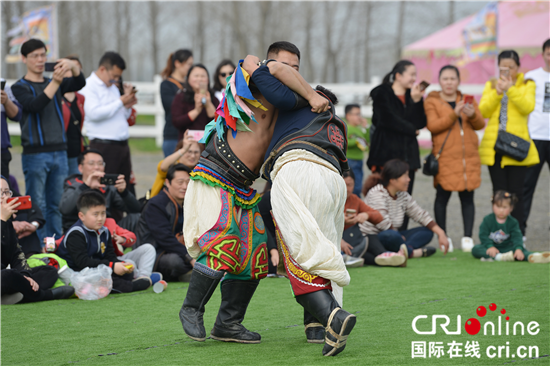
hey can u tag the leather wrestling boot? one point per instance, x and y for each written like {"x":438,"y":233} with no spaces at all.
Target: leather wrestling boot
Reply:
{"x":236,"y":295}
{"x":315,"y":331}
{"x":201,"y":287}
{"x":339,"y":323}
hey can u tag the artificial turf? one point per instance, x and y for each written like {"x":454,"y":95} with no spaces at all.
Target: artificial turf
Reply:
{"x":144,"y":329}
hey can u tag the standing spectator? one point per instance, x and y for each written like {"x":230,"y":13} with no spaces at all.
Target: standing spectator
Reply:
{"x":539,"y":126}
{"x":508,"y":101}
{"x":358,"y":139}
{"x":225,"y":69}
{"x":12,"y":110}
{"x":107,"y":113}
{"x":174,"y":75}
{"x":398,"y":114}
{"x":195,"y":105}
{"x":43,"y":136}
{"x":161,"y":224}
{"x":73,"y":116}
{"x":453,"y":122}
{"x":387,"y":193}
{"x":117,"y":196}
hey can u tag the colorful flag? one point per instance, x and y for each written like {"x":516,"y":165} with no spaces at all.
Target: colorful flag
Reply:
{"x":480,"y":34}
{"x":39,"y":23}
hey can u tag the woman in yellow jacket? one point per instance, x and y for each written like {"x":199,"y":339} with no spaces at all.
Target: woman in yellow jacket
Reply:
{"x":516,"y":97}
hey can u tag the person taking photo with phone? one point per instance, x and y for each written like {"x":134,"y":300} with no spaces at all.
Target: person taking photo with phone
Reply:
{"x":92,"y":168}
{"x":398,"y":115}
{"x":453,"y":119}
{"x":195,"y":105}
{"x":507,"y":102}
{"x":43,"y":137}
{"x":10,"y":109}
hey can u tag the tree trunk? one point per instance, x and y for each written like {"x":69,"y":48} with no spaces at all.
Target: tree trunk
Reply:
{"x":153,"y":17}
{"x":400,"y":27}
{"x":451,"y":12}
{"x":368,"y":19}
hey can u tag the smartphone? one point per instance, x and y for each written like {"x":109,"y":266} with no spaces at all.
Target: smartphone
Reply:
{"x":424,"y":85}
{"x":134,"y":90}
{"x":49,"y":66}
{"x":196,"y":134}
{"x":468,"y":99}
{"x":504,"y":72}
{"x":24,"y":200}
{"x":3,"y":84}
{"x":350,"y":211}
{"x":109,"y":179}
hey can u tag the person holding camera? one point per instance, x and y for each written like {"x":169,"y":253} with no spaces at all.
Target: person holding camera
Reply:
{"x":93,"y":177}
{"x":12,"y":110}
{"x":195,"y":105}
{"x":507,"y":102}
{"x":43,"y":136}
{"x":106,"y":114}
{"x":453,"y":119}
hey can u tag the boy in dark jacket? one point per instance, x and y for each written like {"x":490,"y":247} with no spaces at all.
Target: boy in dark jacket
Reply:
{"x":88,"y":244}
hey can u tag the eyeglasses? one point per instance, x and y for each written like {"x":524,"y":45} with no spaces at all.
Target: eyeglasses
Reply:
{"x":193,"y":152}
{"x":224,"y":74}
{"x":37,"y":55}
{"x":96,"y":163}
{"x":7,"y":192}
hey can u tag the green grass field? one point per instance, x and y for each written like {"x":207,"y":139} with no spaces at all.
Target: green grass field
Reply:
{"x":144,"y":328}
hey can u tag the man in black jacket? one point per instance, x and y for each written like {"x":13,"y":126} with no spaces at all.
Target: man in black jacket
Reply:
{"x":92,"y":167}
{"x":42,"y":129}
{"x":161,"y":224}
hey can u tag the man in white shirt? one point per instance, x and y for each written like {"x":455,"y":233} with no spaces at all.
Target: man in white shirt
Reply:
{"x":107,"y":112}
{"x":539,"y":125}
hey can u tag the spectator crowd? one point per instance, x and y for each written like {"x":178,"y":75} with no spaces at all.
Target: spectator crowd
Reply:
{"x":82,"y":189}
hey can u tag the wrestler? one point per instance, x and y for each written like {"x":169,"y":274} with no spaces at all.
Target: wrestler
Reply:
{"x":223,"y":229}
{"x":304,"y":162}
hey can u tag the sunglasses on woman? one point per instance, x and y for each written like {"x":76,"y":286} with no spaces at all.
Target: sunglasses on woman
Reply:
{"x":223,"y":74}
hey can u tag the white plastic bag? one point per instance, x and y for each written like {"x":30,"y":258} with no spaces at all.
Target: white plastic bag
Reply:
{"x":92,"y":283}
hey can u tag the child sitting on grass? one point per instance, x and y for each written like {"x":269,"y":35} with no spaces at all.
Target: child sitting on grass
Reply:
{"x":88,"y":244}
{"x":500,"y":236}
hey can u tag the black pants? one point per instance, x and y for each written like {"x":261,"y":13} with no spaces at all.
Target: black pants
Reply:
{"x":374,"y":249}
{"x":6,"y":158}
{"x":532,"y":176}
{"x":117,"y":159}
{"x":171,"y":265}
{"x":468,"y":209}
{"x":45,"y":277}
{"x":122,"y":283}
{"x":511,"y":179}
{"x":410,"y":190}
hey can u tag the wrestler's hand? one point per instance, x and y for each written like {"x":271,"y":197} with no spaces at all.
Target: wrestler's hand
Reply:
{"x":250,"y":64}
{"x":274,"y":257}
{"x":318,"y":103}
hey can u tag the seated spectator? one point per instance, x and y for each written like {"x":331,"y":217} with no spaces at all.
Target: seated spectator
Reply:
{"x":161,"y":224}
{"x":195,"y":105}
{"x":366,"y":247}
{"x":501,"y":237}
{"x":187,"y":153}
{"x":92,"y":167}
{"x":387,"y":193}
{"x":21,"y":282}
{"x":88,"y":244}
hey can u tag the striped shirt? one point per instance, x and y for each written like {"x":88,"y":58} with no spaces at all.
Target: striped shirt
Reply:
{"x":393,"y":210}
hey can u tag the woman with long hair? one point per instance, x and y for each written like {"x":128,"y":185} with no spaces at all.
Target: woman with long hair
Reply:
{"x":398,"y":114}
{"x":195,"y":105}
{"x":453,"y":119}
{"x":174,"y":75}
{"x":507,"y":102}
{"x":387,"y":193}
{"x":224,"y":69}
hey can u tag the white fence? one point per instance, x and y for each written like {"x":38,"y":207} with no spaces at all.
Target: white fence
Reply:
{"x":149,"y":103}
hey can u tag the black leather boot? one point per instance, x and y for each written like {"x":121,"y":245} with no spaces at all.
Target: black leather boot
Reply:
{"x":339,"y":323}
{"x":236,"y":295}
{"x":201,"y":287}
{"x":315,"y":331}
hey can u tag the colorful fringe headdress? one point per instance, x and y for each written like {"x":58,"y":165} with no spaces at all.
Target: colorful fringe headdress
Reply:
{"x":232,"y":112}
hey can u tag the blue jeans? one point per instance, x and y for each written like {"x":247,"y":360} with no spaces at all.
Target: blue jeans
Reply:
{"x":44,"y":177}
{"x":414,"y":239}
{"x":168,"y":147}
{"x":357,"y":167}
{"x":73,"y":166}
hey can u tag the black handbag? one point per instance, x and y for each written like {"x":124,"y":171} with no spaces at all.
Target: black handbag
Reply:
{"x":509,"y":144}
{"x":431,"y":164}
